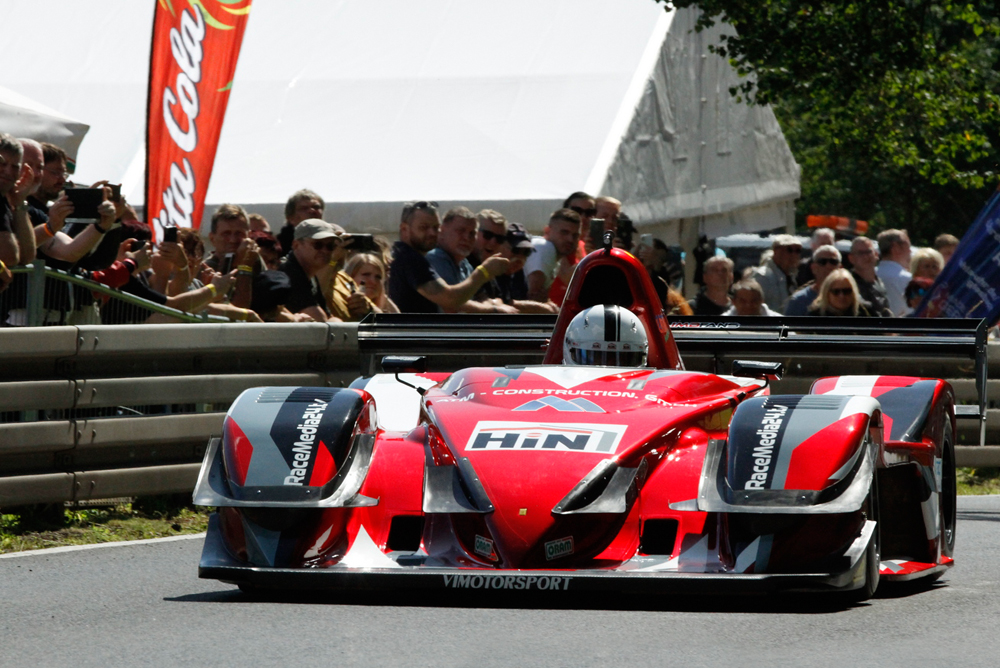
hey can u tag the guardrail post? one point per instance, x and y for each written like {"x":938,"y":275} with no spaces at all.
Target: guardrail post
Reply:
{"x":35,"y":308}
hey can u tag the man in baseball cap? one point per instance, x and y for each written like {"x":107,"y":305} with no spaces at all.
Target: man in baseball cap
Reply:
{"x":313,"y":246}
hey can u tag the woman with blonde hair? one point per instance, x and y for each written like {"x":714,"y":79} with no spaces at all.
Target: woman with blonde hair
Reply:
{"x":368,"y":271}
{"x":839,"y":296}
{"x":926,"y":263}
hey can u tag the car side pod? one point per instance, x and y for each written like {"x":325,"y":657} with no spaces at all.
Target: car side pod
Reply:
{"x":793,"y":455}
{"x":273,"y":433}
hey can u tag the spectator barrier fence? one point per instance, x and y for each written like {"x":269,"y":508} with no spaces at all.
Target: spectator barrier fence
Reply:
{"x":43,"y":296}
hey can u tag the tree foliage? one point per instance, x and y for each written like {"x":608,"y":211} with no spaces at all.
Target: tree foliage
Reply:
{"x":891,"y":107}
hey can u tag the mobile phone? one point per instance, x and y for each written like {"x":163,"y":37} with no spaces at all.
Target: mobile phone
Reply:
{"x":170,"y":234}
{"x":646,"y":240}
{"x":227,"y":263}
{"x":85,"y":202}
{"x":138,"y":244}
{"x":596,"y":231}
{"x":362,"y":243}
{"x":116,"y":192}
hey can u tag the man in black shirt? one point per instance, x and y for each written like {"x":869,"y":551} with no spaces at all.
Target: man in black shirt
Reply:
{"x":414,"y":286}
{"x":718,"y":277}
{"x":864,"y":257}
{"x":312,"y":248}
{"x":302,"y":205}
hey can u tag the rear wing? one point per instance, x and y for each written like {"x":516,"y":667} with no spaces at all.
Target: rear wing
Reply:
{"x":502,"y":339}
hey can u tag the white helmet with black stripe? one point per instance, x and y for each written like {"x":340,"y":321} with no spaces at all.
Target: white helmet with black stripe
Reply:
{"x":605,"y":335}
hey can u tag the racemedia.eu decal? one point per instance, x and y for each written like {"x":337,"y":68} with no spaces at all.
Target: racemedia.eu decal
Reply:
{"x":305,"y":441}
{"x":770,"y":425}
{"x":539,"y":583}
{"x":533,"y":436}
{"x":579,"y":405}
{"x":559,"y":548}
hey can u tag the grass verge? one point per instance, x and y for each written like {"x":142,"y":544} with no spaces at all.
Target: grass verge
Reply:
{"x":54,"y":525}
{"x":978,"y":481}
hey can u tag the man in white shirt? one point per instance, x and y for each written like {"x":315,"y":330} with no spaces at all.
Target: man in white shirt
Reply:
{"x":562,"y":235}
{"x":776,"y":277}
{"x":894,"y":246}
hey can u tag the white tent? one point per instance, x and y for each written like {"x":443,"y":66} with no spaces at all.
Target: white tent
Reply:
{"x":21,"y":116}
{"x":511,"y":105}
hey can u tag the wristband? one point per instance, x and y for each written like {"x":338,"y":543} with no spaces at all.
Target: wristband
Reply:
{"x":244,"y":269}
{"x":47,"y":231}
{"x":484,"y":271}
{"x":214,"y":290}
{"x":3,"y":267}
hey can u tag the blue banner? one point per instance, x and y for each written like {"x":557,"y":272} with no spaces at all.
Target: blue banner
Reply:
{"x":968,"y":286}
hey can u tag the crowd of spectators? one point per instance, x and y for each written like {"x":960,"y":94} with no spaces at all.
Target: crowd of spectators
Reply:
{"x":454,"y":261}
{"x":881,"y":277}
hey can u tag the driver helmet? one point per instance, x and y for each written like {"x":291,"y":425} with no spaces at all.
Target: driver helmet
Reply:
{"x":605,"y":335}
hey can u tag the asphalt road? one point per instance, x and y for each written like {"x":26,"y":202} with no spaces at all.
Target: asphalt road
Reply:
{"x":143,"y":605}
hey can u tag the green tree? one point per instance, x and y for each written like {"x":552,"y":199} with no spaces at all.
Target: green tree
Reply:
{"x":891,"y":107}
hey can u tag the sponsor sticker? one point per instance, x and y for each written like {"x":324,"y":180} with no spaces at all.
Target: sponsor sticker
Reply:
{"x":534,"y":436}
{"x":767,"y":434}
{"x":704,"y":325}
{"x":484,"y":547}
{"x":525,"y":582}
{"x":558,"y":548}
{"x":578,"y":405}
{"x":305,"y":442}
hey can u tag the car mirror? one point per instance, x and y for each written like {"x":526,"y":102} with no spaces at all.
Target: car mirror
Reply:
{"x":760,"y":370}
{"x":404,"y":364}
{"x":397,"y":364}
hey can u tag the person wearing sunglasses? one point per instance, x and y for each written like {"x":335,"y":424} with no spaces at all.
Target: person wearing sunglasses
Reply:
{"x":584,"y":205}
{"x":450,"y":259}
{"x":838,"y":296}
{"x":821,"y":236}
{"x":916,"y":290}
{"x":824,"y":260}
{"x":312,"y":247}
{"x":864,"y":257}
{"x":413,"y":284}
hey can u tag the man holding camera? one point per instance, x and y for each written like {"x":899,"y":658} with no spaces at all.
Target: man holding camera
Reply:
{"x":312,"y":249}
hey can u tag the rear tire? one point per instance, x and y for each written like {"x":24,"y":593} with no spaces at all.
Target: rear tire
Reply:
{"x":873,"y":553}
{"x":948,"y":500}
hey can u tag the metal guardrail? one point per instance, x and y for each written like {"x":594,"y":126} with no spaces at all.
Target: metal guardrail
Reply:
{"x":43,"y":296}
{"x":93,"y":411}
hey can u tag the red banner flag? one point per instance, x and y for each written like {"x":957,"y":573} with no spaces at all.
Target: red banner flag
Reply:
{"x":196,"y":44}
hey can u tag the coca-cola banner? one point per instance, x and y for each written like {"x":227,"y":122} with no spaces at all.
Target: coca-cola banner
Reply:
{"x":195,"y":47}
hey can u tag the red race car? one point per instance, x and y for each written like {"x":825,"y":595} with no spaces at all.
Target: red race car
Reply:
{"x":607,"y":466}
